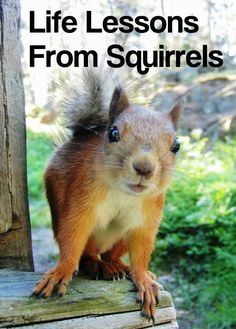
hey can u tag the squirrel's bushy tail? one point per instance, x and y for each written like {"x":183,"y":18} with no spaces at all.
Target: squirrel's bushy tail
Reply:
{"x":82,"y":99}
{"x":86,"y":99}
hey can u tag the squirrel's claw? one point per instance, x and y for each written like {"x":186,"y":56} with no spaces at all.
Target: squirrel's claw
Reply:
{"x":153,"y":320}
{"x":140,"y":301}
{"x":146,"y":315}
{"x":53,"y":281}
{"x":148,"y":291}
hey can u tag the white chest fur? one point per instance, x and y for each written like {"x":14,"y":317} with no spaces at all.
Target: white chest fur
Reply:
{"x":116,"y":215}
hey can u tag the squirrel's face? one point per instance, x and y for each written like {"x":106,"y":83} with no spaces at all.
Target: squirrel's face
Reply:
{"x":140,"y":150}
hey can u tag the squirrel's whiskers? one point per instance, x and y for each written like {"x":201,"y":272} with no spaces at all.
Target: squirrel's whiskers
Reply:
{"x":106,"y":186}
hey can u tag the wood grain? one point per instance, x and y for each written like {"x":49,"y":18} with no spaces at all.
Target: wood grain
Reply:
{"x":87,"y":304}
{"x":130,"y":320}
{"x":15,"y":241}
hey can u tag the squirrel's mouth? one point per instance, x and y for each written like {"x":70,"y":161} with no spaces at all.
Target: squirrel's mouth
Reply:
{"x":138,"y":188}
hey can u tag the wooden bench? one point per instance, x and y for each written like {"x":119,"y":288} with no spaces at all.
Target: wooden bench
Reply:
{"x":88,"y":304}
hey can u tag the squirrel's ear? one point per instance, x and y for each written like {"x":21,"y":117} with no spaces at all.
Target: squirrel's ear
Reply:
{"x":119,"y":102}
{"x":176,"y":112}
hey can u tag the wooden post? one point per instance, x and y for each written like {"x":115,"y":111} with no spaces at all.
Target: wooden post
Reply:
{"x":15,"y":237}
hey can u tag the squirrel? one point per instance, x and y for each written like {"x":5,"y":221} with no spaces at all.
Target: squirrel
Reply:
{"x":106,"y":187}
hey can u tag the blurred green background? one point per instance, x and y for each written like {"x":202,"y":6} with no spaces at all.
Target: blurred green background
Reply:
{"x":195,"y":249}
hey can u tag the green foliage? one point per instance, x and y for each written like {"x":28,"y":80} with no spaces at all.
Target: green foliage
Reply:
{"x":39,"y":149}
{"x":198,"y":235}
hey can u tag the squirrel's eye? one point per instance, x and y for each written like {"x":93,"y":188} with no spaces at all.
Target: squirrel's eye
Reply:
{"x":113,"y":134}
{"x":175,"y":146}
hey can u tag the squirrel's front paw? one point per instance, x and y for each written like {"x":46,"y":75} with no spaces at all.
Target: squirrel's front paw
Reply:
{"x":53,"y":281}
{"x":148,"y":295}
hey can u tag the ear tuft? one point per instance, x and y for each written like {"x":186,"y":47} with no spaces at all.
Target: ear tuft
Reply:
{"x":119,"y":102}
{"x":176,"y":112}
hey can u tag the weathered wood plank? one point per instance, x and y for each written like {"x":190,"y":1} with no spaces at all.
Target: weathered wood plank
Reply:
{"x":130,"y":320}
{"x":15,"y":242}
{"x":72,"y":324}
{"x":85,"y":298}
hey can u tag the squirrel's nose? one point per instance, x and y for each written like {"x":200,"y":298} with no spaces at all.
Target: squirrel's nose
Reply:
{"x":144,"y":168}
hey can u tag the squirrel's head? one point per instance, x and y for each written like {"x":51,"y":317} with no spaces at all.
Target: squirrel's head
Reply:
{"x":140,"y":147}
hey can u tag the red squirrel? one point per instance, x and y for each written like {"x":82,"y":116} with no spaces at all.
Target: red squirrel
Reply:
{"x":106,"y":187}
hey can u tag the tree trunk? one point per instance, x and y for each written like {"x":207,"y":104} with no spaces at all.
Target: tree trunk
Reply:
{"x":15,"y":238}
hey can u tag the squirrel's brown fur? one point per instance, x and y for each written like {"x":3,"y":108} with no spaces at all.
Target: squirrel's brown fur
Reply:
{"x":107,"y":196}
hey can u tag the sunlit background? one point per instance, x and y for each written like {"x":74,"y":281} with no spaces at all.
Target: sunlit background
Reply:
{"x":216,"y":28}
{"x":195,"y":252}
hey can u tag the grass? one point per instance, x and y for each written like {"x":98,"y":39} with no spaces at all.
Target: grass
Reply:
{"x":40,"y":147}
{"x":197,"y":239}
